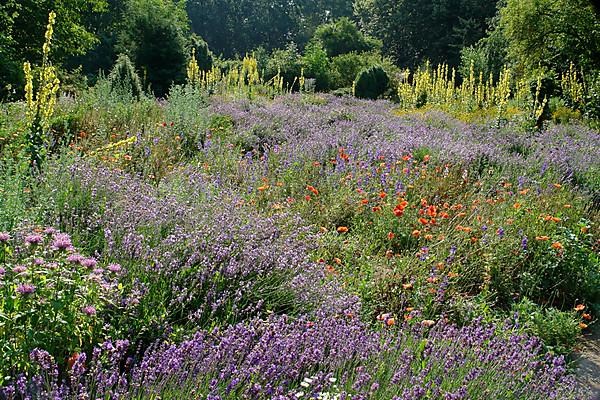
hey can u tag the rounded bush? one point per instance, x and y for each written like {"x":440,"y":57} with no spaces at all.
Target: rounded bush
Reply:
{"x":371,"y":83}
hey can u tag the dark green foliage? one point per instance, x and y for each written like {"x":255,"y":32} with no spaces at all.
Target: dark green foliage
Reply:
{"x":343,"y":36}
{"x":346,"y":67}
{"x":488,"y":55}
{"x":592,"y":96}
{"x":371,"y":83}
{"x":551,"y":34}
{"x":413,"y":31}
{"x":22,"y":27}
{"x":124,"y":79}
{"x":236,"y":27}
{"x":203,"y":55}
{"x":155,"y":37}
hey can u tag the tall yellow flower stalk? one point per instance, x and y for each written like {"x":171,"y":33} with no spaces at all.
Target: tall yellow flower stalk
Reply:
{"x":41,"y":104}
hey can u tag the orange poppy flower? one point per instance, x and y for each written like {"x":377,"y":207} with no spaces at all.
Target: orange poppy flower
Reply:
{"x":312,"y":189}
{"x":557,"y":185}
{"x":579,"y":307}
{"x":71,"y":361}
{"x":409,"y":309}
{"x":583,"y":325}
{"x":432,"y":211}
{"x":542,"y":238}
{"x":423,"y":221}
{"x":428,"y":323}
{"x":427,"y":158}
{"x":382,"y":195}
{"x":587,"y":317}
{"x":391,"y":235}
{"x":342,"y":229}
{"x":364,"y":202}
{"x":390,"y":321}
{"x":263,"y":188}
{"x":557,"y":246}
{"x":416,"y":233}
{"x":407,"y":286}
{"x":428,"y":237}
{"x":524,"y":191}
{"x":307,"y":197}
{"x":376,"y":209}
{"x":516,"y":206}
{"x":337,"y":261}
{"x":567,"y":206}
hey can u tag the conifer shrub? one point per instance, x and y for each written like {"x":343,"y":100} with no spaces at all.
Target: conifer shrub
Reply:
{"x":124,"y":79}
{"x":371,"y":83}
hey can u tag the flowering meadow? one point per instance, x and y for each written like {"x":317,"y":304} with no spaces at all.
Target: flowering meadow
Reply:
{"x":300,"y":247}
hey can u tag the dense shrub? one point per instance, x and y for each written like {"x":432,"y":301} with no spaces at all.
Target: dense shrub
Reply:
{"x":371,"y":83}
{"x":317,"y":66}
{"x":342,"y":36}
{"x":286,"y":63}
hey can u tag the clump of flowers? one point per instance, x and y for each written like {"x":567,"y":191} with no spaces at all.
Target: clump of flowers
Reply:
{"x":50,"y":299}
{"x":322,"y":357}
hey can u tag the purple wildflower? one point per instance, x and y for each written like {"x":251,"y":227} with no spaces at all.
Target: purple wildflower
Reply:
{"x":115,"y":268}
{"x":25,"y":289}
{"x":89,"y":310}
{"x":19,"y":269}
{"x":75,"y":258}
{"x":62,"y":241}
{"x":50,"y":231}
{"x":33,"y":239}
{"x":4,"y":237}
{"x":89,"y":263}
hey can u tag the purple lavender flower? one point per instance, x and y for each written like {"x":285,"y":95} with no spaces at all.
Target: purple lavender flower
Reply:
{"x":4,"y":237}
{"x":524,"y":242}
{"x":500,"y":232}
{"x":42,"y":358}
{"x":2,"y":272}
{"x":25,"y":289}
{"x":38,"y":261}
